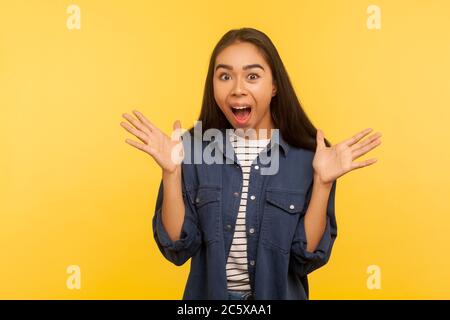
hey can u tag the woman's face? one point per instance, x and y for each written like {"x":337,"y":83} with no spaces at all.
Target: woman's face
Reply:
{"x":243,"y":87}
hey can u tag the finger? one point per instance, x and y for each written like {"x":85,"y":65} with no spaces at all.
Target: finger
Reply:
{"x":139,"y":134}
{"x":139,"y":125}
{"x":135,"y":144}
{"x":361,"y":164}
{"x":320,"y":139}
{"x":361,"y":151}
{"x":367,"y":141}
{"x":144,"y":120}
{"x":357,"y":137}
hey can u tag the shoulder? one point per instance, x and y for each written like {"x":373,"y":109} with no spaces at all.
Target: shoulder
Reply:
{"x":300,"y":155}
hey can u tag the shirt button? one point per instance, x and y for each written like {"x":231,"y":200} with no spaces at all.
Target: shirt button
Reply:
{"x":252,"y":197}
{"x":252,"y":262}
{"x":256,"y":167}
{"x":197,"y":200}
{"x":236,"y":194}
{"x":229,"y":226}
{"x":252,"y":230}
{"x":291,"y":206}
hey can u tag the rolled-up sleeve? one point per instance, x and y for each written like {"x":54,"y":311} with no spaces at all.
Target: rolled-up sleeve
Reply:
{"x":303,"y":261}
{"x":179,"y":251}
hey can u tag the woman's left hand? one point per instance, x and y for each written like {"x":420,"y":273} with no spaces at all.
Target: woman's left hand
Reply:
{"x":330,"y":163}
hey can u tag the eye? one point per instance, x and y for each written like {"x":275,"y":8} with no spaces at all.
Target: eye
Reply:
{"x":253,"y":76}
{"x":221,"y":77}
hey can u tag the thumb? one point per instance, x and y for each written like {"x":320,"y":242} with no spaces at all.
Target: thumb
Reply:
{"x":176,"y":130}
{"x":320,"y":139}
{"x":177,"y":125}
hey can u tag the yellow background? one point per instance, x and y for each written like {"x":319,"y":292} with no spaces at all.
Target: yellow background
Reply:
{"x":72,"y":192}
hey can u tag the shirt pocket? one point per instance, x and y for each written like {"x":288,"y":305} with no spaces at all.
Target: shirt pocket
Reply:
{"x":206,"y":200}
{"x":282,"y":210}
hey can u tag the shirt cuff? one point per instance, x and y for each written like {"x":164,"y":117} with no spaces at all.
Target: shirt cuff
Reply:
{"x":187,"y":229}
{"x":322,"y":250}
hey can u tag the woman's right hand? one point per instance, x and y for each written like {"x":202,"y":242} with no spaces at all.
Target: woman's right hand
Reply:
{"x":167,"y":152}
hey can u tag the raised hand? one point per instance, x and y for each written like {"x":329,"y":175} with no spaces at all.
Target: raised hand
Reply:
{"x":166,"y":151}
{"x":330,"y":163}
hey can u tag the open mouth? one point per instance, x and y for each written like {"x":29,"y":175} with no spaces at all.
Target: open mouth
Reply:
{"x":241,"y":113}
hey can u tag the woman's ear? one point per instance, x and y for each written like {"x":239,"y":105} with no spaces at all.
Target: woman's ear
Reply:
{"x":274,"y":90}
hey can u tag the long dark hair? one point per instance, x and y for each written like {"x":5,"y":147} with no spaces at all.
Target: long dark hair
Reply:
{"x":285,"y":108}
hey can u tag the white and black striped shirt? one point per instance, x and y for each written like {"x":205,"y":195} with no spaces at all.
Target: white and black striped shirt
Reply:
{"x":236,"y":268}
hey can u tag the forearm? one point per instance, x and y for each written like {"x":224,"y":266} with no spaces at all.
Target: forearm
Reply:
{"x":316,"y":214}
{"x":173,"y":209}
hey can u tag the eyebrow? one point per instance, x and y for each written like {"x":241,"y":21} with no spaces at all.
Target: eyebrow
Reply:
{"x":250,"y":66}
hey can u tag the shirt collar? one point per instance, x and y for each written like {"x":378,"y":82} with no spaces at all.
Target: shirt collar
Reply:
{"x":226,"y":136}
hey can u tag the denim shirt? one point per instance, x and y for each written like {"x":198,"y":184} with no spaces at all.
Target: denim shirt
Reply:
{"x":278,"y":262}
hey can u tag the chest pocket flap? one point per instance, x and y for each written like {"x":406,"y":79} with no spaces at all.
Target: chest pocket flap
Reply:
{"x":206,"y":195}
{"x":290,"y":201}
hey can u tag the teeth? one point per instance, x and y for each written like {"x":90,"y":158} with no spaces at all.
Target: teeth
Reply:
{"x":243,"y":107}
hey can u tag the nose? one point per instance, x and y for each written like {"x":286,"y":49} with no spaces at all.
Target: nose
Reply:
{"x":238,"y":88}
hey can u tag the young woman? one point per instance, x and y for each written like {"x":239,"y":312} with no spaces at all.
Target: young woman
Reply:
{"x":250,"y":235}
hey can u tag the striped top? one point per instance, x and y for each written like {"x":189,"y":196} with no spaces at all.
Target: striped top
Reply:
{"x":236,"y":268}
